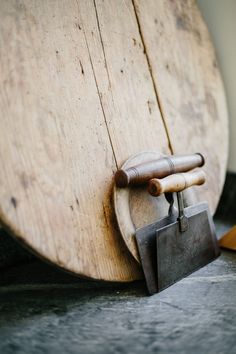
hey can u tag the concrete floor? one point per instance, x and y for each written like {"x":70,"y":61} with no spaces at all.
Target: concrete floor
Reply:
{"x":43,"y":310}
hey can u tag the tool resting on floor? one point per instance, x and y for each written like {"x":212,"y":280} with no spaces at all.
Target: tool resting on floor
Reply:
{"x":182,"y":242}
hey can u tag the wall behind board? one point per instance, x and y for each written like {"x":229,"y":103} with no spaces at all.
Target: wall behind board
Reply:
{"x":220,"y":16}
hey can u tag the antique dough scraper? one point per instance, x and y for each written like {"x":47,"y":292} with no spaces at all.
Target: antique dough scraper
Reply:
{"x":134,"y":207}
{"x":145,"y":236}
{"x":185,"y":244}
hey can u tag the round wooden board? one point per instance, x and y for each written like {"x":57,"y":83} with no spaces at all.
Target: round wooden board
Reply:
{"x":84,"y":85}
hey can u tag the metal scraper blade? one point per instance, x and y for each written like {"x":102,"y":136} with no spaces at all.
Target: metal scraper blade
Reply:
{"x":146,"y":243}
{"x":181,"y":253}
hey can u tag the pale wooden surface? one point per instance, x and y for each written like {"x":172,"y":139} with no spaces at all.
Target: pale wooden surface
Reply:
{"x":189,"y":85}
{"x":77,"y":98}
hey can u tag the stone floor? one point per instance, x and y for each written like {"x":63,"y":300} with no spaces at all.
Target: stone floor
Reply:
{"x":43,"y":310}
{"x":196,"y":315}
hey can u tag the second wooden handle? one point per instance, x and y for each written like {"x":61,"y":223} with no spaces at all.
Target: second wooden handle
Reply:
{"x":176,"y":183}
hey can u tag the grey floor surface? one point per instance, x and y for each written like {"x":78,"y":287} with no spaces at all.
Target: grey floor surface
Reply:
{"x":64,"y":315}
{"x":43,"y":310}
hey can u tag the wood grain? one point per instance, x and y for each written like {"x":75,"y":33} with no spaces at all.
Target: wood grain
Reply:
{"x":70,"y":115}
{"x":188,"y":85}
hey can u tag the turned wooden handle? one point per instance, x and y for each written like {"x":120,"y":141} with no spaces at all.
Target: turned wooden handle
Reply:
{"x":159,"y":168}
{"x":176,"y":183}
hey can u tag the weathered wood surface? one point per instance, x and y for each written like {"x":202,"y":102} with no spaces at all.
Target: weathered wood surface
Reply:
{"x":80,"y":89}
{"x":188,"y":85}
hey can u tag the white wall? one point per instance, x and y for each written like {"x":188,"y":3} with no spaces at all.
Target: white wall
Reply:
{"x":220,"y":16}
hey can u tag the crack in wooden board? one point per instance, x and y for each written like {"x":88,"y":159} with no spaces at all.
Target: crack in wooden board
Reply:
{"x":189,"y":85}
